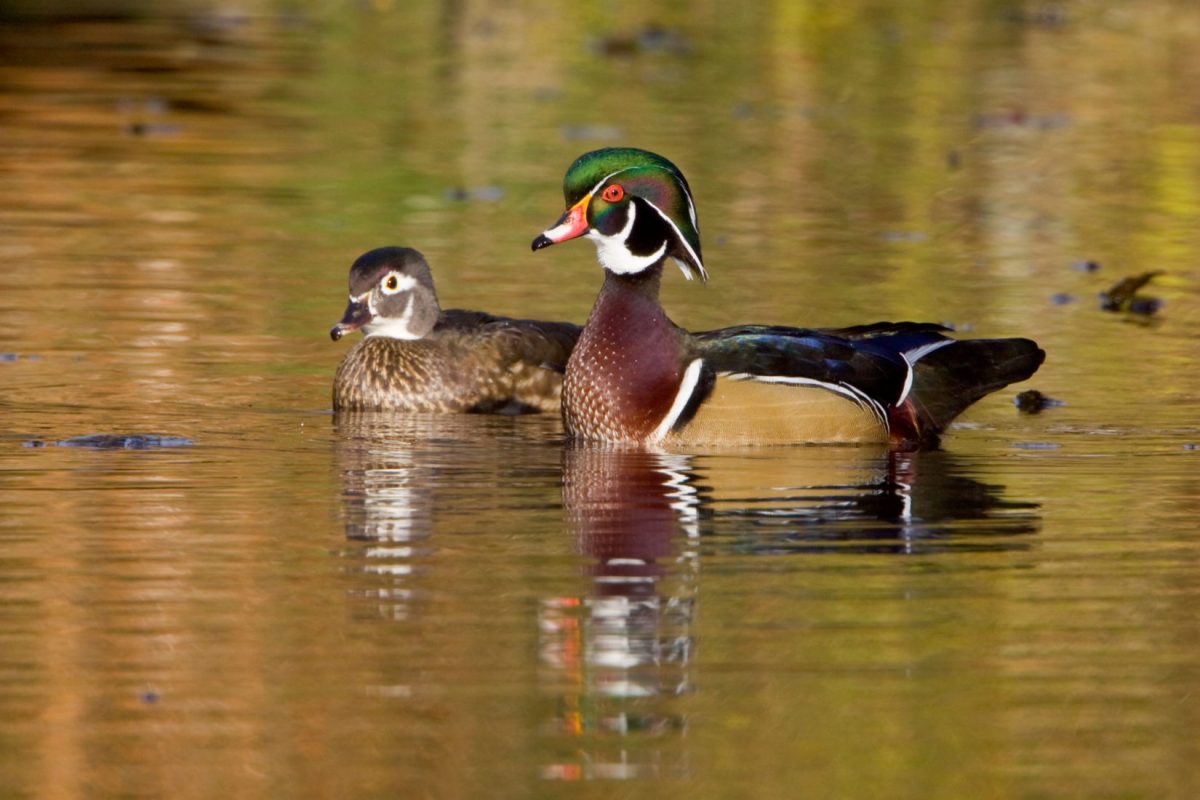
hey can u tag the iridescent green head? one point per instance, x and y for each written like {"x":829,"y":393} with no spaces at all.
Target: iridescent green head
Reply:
{"x":635,"y":205}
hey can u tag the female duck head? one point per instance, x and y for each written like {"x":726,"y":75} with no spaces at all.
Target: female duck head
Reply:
{"x":635,"y":206}
{"x":391,"y":295}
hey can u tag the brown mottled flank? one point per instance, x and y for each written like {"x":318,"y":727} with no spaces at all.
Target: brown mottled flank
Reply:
{"x":470,"y":362}
{"x":627,"y":366}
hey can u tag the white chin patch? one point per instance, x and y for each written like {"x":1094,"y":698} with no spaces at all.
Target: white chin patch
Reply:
{"x":615,"y":257}
{"x":393,"y":327}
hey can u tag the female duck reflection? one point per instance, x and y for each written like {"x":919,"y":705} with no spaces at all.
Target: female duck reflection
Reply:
{"x":622,"y":655}
{"x":387,"y":510}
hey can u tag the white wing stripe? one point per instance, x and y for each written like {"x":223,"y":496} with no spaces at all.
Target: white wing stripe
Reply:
{"x":913,"y":356}
{"x":863,"y":400}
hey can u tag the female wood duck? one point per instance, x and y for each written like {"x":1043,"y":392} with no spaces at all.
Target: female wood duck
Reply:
{"x":636,"y":377}
{"x":417,"y":357}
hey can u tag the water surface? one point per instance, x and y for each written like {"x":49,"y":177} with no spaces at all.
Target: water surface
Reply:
{"x":278,"y":601}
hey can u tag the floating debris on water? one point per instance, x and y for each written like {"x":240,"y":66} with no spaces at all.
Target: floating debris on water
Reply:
{"x":1122,"y":296}
{"x":1086,"y":266}
{"x":1037,"y":446}
{"x":1061,"y":298}
{"x":1052,"y":15}
{"x":650,"y":39}
{"x":487,"y":194}
{"x":903,"y":236}
{"x":1020,"y":119}
{"x":153,"y":129}
{"x":1031,"y":401}
{"x":117,"y":441}
{"x":596,"y":132}
{"x":1145,"y":305}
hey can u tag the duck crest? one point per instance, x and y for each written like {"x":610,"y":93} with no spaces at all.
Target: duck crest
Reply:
{"x":626,"y":370}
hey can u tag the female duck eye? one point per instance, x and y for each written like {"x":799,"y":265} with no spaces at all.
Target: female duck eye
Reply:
{"x":613,"y":193}
{"x":392,"y":283}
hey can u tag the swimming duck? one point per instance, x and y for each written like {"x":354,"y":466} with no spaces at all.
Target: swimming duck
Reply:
{"x":417,"y":357}
{"x":636,"y":377}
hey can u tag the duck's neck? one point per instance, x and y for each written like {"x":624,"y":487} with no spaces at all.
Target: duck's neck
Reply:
{"x":626,"y":368}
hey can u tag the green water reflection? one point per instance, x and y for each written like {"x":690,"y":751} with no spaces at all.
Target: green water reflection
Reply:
{"x":379,"y":606}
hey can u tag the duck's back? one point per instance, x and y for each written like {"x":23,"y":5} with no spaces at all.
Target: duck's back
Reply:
{"x":470,"y":362}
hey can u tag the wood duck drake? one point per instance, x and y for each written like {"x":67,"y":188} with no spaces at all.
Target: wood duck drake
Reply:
{"x":417,"y":357}
{"x":636,"y":377}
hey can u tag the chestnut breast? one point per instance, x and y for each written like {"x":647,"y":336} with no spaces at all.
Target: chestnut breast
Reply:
{"x":625,"y":370}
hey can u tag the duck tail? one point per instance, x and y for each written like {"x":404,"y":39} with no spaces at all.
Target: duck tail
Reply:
{"x":949,"y":378}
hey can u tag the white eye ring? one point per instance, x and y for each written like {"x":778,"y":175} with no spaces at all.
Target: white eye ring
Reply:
{"x":394,"y":283}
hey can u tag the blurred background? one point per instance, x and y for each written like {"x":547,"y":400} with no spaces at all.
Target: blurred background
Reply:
{"x":426,"y":608}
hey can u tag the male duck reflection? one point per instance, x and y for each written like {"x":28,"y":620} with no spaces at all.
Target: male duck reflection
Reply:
{"x":636,"y":377}
{"x":417,"y":357}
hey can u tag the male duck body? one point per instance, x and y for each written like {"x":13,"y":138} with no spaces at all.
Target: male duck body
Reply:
{"x":636,"y":377}
{"x":418,"y":357}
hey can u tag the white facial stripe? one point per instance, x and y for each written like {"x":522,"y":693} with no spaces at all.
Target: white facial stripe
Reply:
{"x":686,"y":268}
{"x":615,"y":257}
{"x":404,"y":283}
{"x":687,"y":387}
{"x":393,"y":327}
{"x":611,"y":250}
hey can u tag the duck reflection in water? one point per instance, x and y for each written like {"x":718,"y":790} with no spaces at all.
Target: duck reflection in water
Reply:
{"x":622,"y":656}
{"x":387,"y":507}
{"x":886,"y":501}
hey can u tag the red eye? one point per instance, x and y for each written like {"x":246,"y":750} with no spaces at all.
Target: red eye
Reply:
{"x":613,"y":193}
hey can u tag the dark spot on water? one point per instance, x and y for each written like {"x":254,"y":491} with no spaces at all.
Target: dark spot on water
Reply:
{"x":1191,"y":446}
{"x":154,"y":129}
{"x":660,"y":38}
{"x":650,"y":39}
{"x":1031,"y":401}
{"x":1019,"y":118}
{"x":953,"y":159}
{"x":1086,"y":266}
{"x":117,"y":441}
{"x":1050,"y":16}
{"x":903,"y":236}
{"x":1061,"y":298}
{"x":486,"y":194}
{"x":149,"y":697}
{"x":1037,"y":446}
{"x":591,"y":132}
{"x":8,"y":357}
{"x":1145,"y":305}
